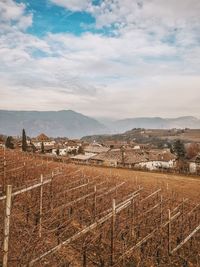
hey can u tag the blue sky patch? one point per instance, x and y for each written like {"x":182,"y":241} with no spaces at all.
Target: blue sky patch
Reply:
{"x":51,"y":18}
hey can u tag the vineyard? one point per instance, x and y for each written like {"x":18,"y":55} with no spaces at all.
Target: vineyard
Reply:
{"x":64,"y":215}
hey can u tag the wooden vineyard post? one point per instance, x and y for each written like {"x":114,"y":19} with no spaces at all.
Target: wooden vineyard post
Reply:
{"x":113,"y":232}
{"x":132,"y":217}
{"x":161,"y":210}
{"x":123,"y":257}
{"x":4,"y":172}
{"x":95,"y":201}
{"x":51,"y":190}
{"x":182,"y":211}
{"x":84,"y":256}
{"x":41,"y":195}
{"x":7,"y":225}
{"x":169,"y":232}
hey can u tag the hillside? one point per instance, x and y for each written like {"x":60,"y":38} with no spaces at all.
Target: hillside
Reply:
{"x":156,"y":123}
{"x":153,"y":136}
{"x":52,"y":123}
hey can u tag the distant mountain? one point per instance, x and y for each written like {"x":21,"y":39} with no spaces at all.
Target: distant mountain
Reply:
{"x":155,"y":123}
{"x":53,"y":123}
{"x":74,"y":125}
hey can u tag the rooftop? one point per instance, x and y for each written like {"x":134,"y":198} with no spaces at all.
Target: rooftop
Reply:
{"x":96,"y":149}
{"x":132,"y":156}
{"x":83,"y":157}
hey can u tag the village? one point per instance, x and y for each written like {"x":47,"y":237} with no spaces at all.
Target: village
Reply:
{"x":180,"y":158}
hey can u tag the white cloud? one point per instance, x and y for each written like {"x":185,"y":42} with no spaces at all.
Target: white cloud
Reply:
{"x":74,"y":5}
{"x":14,"y":13}
{"x":137,"y":12}
{"x":137,"y":71}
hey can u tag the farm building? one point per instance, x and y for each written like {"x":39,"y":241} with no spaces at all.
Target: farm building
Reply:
{"x":151,"y":160}
{"x":119,"y":158}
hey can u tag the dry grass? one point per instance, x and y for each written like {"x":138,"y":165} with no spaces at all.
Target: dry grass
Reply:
{"x":184,"y":186}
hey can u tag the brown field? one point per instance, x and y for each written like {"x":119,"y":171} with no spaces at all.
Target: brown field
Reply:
{"x":184,"y":186}
{"x":189,"y":135}
{"x":88,"y":216}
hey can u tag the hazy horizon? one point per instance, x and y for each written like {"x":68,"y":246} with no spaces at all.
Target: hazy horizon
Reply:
{"x":105,"y":59}
{"x":103,"y":119}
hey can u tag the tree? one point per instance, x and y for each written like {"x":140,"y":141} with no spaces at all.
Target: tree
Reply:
{"x":33,"y":147}
{"x":57,"y":152}
{"x":73,"y":151}
{"x":179,"y":149}
{"x":24,"y":143}
{"x":80,"y":150}
{"x":123,"y":155}
{"x":193,"y":150}
{"x":9,"y":143}
{"x":42,"y":148}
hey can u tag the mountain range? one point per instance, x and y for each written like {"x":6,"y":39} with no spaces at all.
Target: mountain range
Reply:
{"x":75,"y":125}
{"x":156,"y":123}
{"x":53,"y":123}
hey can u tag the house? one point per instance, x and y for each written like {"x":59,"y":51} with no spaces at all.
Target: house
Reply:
{"x":136,"y":147}
{"x":138,"y":159}
{"x":119,"y":158}
{"x":69,"y":147}
{"x":72,"y":145}
{"x":42,"y":138}
{"x":96,"y":148}
{"x":2,"y":142}
{"x":60,"y":151}
{"x":114,"y":144}
{"x":194,"y":165}
{"x":82,"y":158}
{"x":157,"y":159}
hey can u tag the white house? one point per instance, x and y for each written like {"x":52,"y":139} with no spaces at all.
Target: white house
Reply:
{"x":42,"y":138}
{"x":62,"y":151}
{"x":136,"y":147}
{"x":72,"y":146}
{"x":194,"y":165}
{"x":157,"y":159}
{"x":155,"y":165}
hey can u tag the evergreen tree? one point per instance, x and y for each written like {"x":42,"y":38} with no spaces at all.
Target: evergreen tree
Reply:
{"x":42,"y":148}
{"x":179,"y":149}
{"x":123,"y":155}
{"x":57,"y":152}
{"x":80,"y":150}
{"x":9,"y":143}
{"x":33,"y":147}
{"x":24,"y":143}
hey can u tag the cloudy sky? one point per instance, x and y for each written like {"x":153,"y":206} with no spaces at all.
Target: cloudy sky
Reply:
{"x":104,"y":58}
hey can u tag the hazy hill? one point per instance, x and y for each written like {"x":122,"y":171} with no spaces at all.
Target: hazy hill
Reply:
{"x":52,"y":123}
{"x":72,"y":124}
{"x":156,"y":123}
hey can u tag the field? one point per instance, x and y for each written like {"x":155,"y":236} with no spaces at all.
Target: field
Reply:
{"x":184,"y":186}
{"x":189,"y":135}
{"x":55,"y":214}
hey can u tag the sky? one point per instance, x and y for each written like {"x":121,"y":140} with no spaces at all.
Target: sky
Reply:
{"x":103,"y":58}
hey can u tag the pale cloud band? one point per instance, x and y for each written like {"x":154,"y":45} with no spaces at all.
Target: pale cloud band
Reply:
{"x":147,"y":63}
